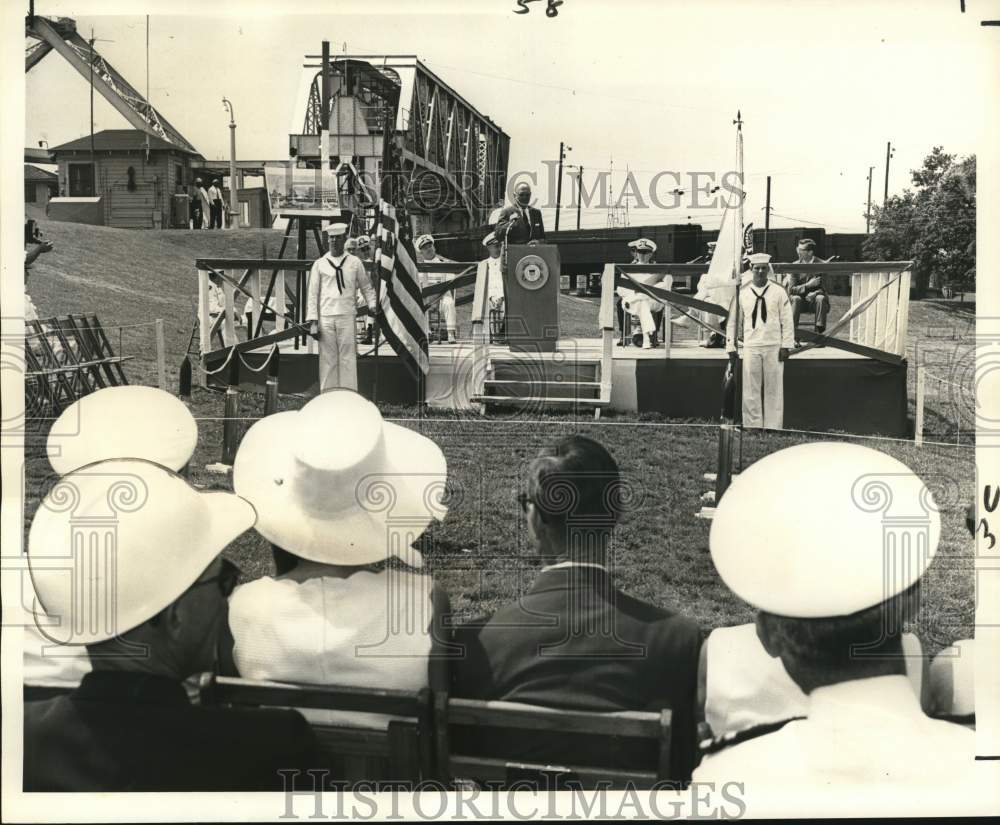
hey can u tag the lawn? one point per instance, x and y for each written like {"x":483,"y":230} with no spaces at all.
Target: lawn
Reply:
{"x":478,"y":552}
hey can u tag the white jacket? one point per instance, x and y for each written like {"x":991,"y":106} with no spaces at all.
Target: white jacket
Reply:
{"x":324,"y":296}
{"x":777,"y":331}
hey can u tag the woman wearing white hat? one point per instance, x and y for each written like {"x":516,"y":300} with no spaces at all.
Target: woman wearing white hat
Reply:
{"x":149,"y":601}
{"x":114,"y":422}
{"x":338,"y":508}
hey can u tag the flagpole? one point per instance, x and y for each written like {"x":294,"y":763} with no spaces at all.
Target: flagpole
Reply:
{"x":737,"y":264}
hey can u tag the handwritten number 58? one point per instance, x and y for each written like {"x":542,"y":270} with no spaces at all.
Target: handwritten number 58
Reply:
{"x":551,"y":9}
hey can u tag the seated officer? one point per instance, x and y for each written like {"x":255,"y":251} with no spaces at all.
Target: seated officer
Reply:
{"x":833,"y":609}
{"x":805,"y":290}
{"x":428,"y":254}
{"x":639,"y":305}
{"x":150,"y":618}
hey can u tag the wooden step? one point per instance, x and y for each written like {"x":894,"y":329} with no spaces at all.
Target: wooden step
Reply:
{"x":508,"y":401}
{"x":543,"y":389}
{"x":545,"y":371}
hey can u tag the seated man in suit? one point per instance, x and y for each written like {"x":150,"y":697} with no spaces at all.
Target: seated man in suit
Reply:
{"x":806,"y":291}
{"x":129,"y":726}
{"x":520,"y":222}
{"x":574,"y":640}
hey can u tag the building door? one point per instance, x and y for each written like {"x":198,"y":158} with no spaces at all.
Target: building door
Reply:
{"x":81,"y":180}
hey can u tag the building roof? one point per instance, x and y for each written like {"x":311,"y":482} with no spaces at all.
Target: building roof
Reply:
{"x":32,"y":172}
{"x":110,"y":140}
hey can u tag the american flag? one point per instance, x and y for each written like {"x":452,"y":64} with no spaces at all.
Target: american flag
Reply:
{"x":403,"y":317}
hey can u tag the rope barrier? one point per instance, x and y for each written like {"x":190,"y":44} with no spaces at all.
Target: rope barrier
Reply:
{"x":263,"y":366}
{"x":225,"y":363}
{"x":942,"y":380}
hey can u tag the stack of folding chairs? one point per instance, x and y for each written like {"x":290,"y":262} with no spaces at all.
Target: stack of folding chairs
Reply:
{"x":66,"y":358}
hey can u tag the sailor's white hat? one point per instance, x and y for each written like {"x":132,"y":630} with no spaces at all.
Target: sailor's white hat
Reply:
{"x":364,"y":240}
{"x":423,"y":240}
{"x":336,"y":229}
{"x":759,"y":258}
{"x":824,"y":529}
{"x":491,"y":238}
{"x":129,"y":421}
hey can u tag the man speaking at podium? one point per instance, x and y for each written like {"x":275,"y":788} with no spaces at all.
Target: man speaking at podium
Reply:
{"x":520,"y":223}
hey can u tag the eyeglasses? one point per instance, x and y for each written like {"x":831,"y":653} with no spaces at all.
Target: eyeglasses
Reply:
{"x":227,"y":579}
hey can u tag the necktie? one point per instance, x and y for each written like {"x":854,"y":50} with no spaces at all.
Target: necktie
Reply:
{"x":527,"y":223}
{"x":340,"y":277}
{"x":759,"y":302}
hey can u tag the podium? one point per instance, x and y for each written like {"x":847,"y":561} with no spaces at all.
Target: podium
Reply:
{"x":531,"y":291}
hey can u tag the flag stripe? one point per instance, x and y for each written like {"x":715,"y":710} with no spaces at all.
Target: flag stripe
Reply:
{"x":403,"y":316}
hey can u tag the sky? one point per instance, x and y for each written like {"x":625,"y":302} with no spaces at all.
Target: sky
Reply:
{"x":652,"y":86}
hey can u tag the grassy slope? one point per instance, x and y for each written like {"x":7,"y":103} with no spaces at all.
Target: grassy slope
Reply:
{"x":132,"y":277}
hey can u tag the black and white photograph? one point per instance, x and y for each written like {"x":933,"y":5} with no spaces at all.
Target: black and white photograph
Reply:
{"x":507,"y":409}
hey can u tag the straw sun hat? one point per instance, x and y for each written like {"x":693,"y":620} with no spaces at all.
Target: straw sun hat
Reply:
{"x":334,"y":483}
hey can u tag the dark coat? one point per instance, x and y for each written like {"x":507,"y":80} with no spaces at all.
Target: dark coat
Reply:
{"x":133,"y":732}
{"x":520,"y":232}
{"x":575,"y":641}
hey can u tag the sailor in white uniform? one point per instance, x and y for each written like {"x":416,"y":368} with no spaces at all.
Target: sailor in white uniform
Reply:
{"x":833,"y":612}
{"x":331,"y":301}
{"x":768,"y":334}
{"x":639,"y":304}
{"x":494,"y":288}
{"x":428,"y":254}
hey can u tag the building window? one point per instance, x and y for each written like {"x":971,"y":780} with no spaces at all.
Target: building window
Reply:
{"x":131,"y":178}
{"x":29,"y":193}
{"x":81,"y":180}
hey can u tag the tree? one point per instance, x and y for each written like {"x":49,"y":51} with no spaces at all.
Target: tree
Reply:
{"x":933,"y":224}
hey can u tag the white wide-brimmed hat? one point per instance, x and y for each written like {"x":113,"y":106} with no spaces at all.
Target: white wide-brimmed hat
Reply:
{"x":334,"y":483}
{"x":115,"y":542}
{"x":822,"y":530}
{"x":123,"y":422}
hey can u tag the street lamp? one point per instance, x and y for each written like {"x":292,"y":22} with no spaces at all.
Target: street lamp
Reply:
{"x":562,"y":156}
{"x":233,"y":195}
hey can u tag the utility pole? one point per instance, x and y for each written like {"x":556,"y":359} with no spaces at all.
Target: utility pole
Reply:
{"x":888,"y":154}
{"x":562,"y":156}
{"x":868,"y":211}
{"x":93,"y":154}
{"x":234,"y":201}
{"x":767,"y":212}
{"x":579,"y":193}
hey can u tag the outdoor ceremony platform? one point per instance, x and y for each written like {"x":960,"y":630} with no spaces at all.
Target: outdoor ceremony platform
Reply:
{"x":857,"y":383}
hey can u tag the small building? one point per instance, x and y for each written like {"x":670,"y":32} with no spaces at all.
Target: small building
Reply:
{"x":133,"y":174}
{"x":39,"y":185}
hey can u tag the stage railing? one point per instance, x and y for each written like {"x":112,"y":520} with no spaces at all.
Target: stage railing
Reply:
{"x":480,"y":333}
{"x":606,"y":321}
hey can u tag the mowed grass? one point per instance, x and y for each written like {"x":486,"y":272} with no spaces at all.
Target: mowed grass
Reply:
{"x":480,"y":551}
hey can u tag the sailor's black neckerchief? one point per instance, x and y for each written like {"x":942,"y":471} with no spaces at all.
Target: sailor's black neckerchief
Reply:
{"x":759,"y":302}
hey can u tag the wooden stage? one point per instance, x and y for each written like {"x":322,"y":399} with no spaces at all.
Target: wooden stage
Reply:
{"x":826,"y":389}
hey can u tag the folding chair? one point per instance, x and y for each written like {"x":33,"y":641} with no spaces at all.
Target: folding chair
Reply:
{"x":103,"y":346}
{"x":402,"y":751}
{"x":502,"y":744}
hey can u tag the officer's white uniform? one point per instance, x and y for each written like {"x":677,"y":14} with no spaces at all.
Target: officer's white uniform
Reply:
{"x":331,"y":300}
{"x":865,"y":740}
{"x":494,"y":275}
{"x":767,"y":326}
{"x":639,"y":304}
{"x":447,"y":303}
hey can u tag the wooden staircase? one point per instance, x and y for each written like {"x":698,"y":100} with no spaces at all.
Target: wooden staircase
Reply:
{"x":531,"y":382}
{"x":535,"y":381}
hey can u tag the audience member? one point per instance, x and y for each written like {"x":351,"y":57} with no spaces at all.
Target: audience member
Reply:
{"x":574,"y":640}
{"x":335,"y":507}
{"x":149,"y":620}
{"x":833,"y":611}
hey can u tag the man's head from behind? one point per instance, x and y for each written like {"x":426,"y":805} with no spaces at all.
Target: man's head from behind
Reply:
{"x":806,"y":250}
{"x":573,"y":500}
{"x":829,"y":541}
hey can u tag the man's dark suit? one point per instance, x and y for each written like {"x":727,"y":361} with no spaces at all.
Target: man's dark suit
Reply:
{"x":575,"y":641}
{"x":133,"y":732}
{"x":527,"y":226}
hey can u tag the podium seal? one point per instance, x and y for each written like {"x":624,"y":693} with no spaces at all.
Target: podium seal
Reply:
{"x":532,"y":272}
